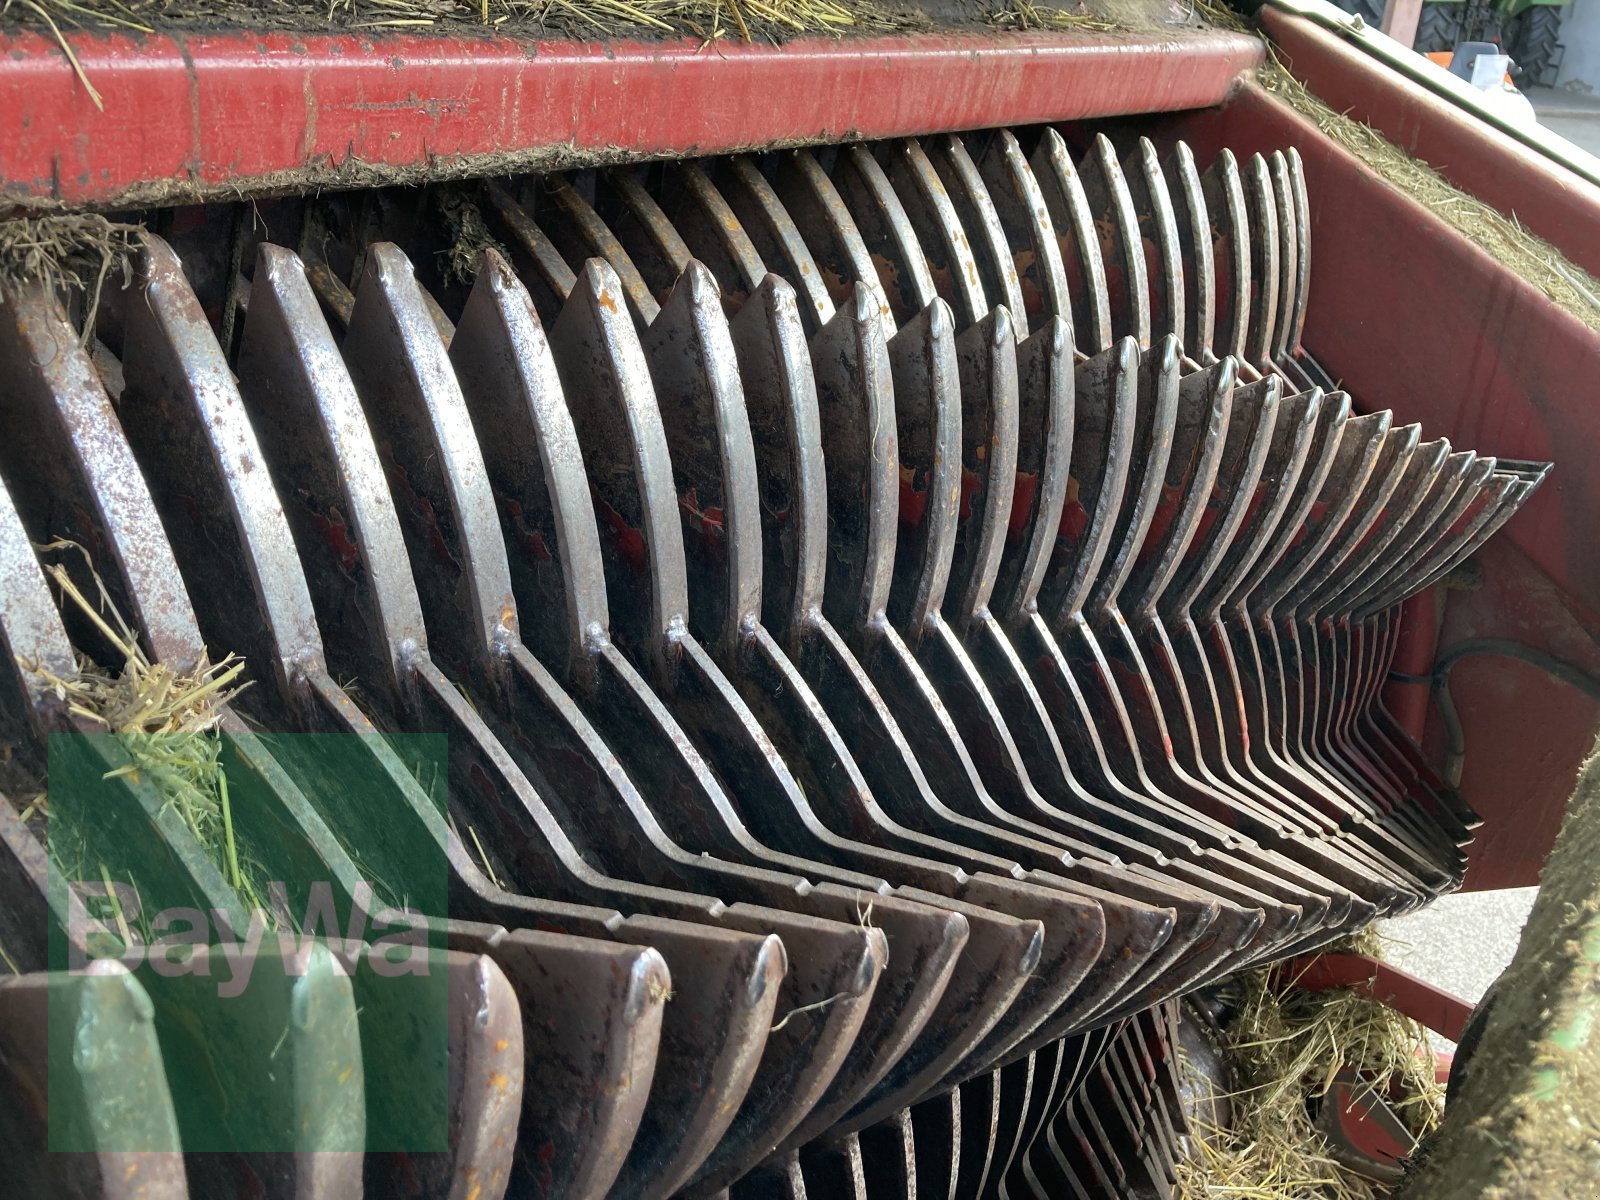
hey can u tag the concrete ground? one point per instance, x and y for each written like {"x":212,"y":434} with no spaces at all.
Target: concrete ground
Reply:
{"x":1573,"y":115}
{"x":1462,"y":942}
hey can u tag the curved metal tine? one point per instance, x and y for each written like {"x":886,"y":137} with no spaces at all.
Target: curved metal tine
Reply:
{"x":322,"y":452}
{"x":630,"y":208}
{"x":711,"y":231}
{"x":1222,"y":187}
{"x":1116,"y":224}
{"x":26,"y":916}
{"x":1151,"y":206}
{"x":837,"y":245}
{"x":1266,"y":253}
{"x":777,"y":240}
{"x":1219,"y":497}
{"x":975,"y":212}
{"x":1240,"y":871}
{"x":1397,"y":484}
{"x":695,"y":373}
{"x":1077,"y":241}
{"x":834,"y":963}
{"x":1196,"y":252}
{"x":1365,"y":471}
{"x":580,"y":233}
{"x":625,"y":451}
{"x":1302,"y":230}
{"x":482,"y":1072}
{"x":86,"y":1040}
{"x":889,"y":1158}
{"x":980,"y":1128}
{"x":539,"y":265}
{"x":1237,"y":643}
{"x":1011,"y":1176}
{"x":988,"y":433}
{"x":777,"y":1179}
{"x":1287,"y":219}
{"x":724,"y":977}
{"x":786,"y":425}
{"x":936,"y":1134}
{"x":885,"y":228}
{"x":856,"y":400}
{"x":1019,"y":1080}
{"x":930,"y":209}
{"x":1035,"y":254}
{"x":834,"y":1169}
{"x":63,"y":437}
{"x":279,"y":600}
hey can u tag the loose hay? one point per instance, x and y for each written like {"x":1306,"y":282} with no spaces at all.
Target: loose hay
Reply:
{"x":1285,"y":1046}
{"x":167,"y":722}
{"x":1536,"y":260}
{"x":67,"y":252}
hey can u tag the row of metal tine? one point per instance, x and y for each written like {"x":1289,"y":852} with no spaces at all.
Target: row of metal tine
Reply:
{"x":898,"y":613}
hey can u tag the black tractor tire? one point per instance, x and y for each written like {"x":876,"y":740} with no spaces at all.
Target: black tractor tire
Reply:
{"x":1535,"y":37}
{"x":1439,"y":28}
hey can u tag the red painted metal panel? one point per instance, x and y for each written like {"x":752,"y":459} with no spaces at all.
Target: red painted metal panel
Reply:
{"x":1548,"y":199}
{"x":1409,"y":315}
{"x":216,"y":113}
{"x":1434,"y":1008}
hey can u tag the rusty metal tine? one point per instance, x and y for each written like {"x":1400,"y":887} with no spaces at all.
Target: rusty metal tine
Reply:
{"x":889,"y":1158}
{"x":948,"y":253}
{"x":35,"y":644}
{"x":769,"y":226}
{"x":834,"y":1169}
{"x":714,"y":235}
{"x":1302,"y":226}
{"x":976,"y":213}
{"x":1045,"y":392}
{"x":1232,"y":256}
{"x":817,"y":207}
{"x":1195,"y":250}
{"x":545,"y":273}
{"x":724,"y":976}
{"x":886,"y":228}
{"x":778,"y":1179}
{"x":691,"y":353}
{"x":625,"y":447}
{"x":1158,"y":242}
{"x":1266,"y":252}
{"x":1079,"y":244}
{"x":1025,"y":218}
{"x":1121,"y":248}
{"x":580,"y":234}
{"x":987,"y":457}
{"x":66,"y":438}
{"x":483,"y":1060}
{"x":1284,"y":332}
{"x":642,"y":226}
{"x":85,"y":1040}
{"x":923,"y":359}
{"x":936,"y":1130}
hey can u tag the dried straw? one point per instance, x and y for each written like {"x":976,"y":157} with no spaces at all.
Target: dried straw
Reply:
{"x":66,"y":252}
{"x":165,"y":719}
{"x":1286,"y":1045}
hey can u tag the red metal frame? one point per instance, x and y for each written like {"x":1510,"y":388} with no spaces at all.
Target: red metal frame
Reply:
{"x":184,"y":114}
{"x":1548,"y":199}
{"x":1479,"y":355}
{"x":1435,"y":1008}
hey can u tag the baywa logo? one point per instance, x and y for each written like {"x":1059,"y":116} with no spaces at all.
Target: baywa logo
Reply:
{"x":105,"y":920}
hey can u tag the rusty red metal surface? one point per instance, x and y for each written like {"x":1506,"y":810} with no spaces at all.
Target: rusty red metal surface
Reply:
{"x":1435,"y":1008}
{"x":1546,"y":197}
{"x":182,"y":115}
{"x":1478,"y":354}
